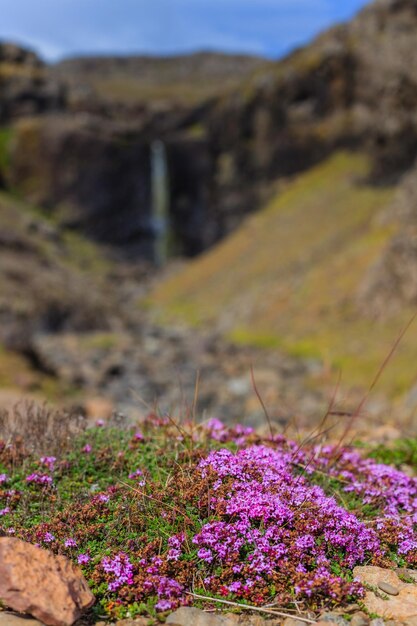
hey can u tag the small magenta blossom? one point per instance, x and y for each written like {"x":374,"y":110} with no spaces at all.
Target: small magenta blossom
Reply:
{"x":48,"y":537}
{"x":87,"y":448}
{"x":83,"y":559}
{"x":138,"y":475}
{"x":70,"y":543}
{"x":49,"y":462}
{"x":99,"y":423}
{"x":4,"y":511}
{"x":3,"y":478}
{"x":39,"y":479}
{"x":164,"y":605}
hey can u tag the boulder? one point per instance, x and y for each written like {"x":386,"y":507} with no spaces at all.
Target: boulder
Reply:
{"x":34,"y":581}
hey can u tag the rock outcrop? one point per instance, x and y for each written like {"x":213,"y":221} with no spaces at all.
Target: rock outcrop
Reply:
{"x":387,"y":595}
{"x":25,"y":87}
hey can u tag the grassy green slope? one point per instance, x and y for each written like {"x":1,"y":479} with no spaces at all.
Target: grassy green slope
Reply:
{"x":289,"y":277}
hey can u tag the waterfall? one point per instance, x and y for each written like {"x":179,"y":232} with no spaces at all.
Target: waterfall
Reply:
{"x":160,"y":201}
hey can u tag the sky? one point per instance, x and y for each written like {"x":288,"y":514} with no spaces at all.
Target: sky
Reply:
{"x":59,"y":28}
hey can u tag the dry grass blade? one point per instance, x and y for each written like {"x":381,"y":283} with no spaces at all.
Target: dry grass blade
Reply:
{"x":372,"y":386}
{"x":251,"y":608}
{"x":196,"y":392}
{"x":262,"y":403}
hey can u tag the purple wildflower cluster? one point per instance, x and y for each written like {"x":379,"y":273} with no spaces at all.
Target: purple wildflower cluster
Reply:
{"x":382,"y":486}
{"x":270,"y":519}
{"x":39,"y":479}
{"x":121,"y":570}
{"x":49,"y":462}
{"x":218,"y":431}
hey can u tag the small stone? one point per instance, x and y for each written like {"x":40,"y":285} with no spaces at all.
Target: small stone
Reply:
{"x":334,"y":618}
{"x":377,"y":622}
{"x":189,"y":616}
{"x":387,"y":588}
{"x":359,"y":619}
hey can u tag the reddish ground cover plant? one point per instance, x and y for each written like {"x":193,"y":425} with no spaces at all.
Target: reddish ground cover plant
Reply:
{"x":155,"y":515}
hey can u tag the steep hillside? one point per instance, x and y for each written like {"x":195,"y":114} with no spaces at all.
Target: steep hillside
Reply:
{"x":51,"y":281}
{"x":187,"y":79}
{"x":291,"y":277}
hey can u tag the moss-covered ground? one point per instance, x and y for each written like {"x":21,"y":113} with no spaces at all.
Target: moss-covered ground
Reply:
{"x":158,"y":515}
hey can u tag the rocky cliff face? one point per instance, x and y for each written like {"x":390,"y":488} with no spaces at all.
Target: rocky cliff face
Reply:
{"x":25,"y":87}
{"x":355,"y":86}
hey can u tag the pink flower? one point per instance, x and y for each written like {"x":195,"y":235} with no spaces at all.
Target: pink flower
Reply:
{"x":39,"y":479}
{"x":83,"y":559}
{"x":49,"y":462}
{"x":70,"y":543}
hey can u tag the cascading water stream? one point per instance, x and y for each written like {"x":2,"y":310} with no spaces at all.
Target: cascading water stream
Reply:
{"x":160,"y":201}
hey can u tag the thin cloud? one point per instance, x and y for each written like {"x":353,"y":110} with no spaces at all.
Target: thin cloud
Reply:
{"x":268,"y":27}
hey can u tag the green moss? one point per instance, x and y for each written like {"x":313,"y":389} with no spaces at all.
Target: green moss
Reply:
{"x":99,"y":341}
{"x":6,"y":136}
{"x":84,"y":254}
{"x":247,"y":337}
{"x":197,"y":131}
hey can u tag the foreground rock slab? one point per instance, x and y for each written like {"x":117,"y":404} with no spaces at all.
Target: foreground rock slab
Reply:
{"x":399,"y":604}
{"x":34,"y":581}
{"x":10,"y":619}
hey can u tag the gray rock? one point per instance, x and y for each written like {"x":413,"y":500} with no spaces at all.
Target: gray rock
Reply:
{"x":359,"y":619}
{"x":387,"y":588}
{"x":334,"y":618}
